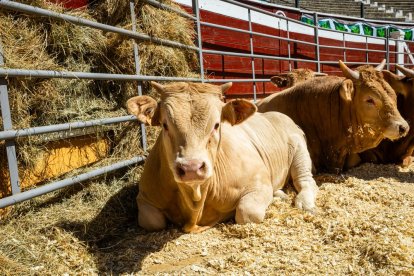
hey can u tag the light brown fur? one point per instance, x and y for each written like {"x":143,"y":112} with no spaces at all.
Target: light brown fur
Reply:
{"x":250,"y":161}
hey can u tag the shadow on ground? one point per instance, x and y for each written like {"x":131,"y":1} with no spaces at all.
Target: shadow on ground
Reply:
{"x":113,"y":237}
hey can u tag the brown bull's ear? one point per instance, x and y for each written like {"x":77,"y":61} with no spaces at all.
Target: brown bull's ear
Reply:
{"x":346,"y":91}
{"x":280,"y":80}
{"x":396,"y":82}
{"x":145,"y":109}
{"x":237,"y":111}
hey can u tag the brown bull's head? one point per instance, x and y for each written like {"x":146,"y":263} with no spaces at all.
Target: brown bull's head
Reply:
{"x":296,"y":76}
{"x":374,"y":101}
{"x":191,"y":116}
{"x":404,"y":86}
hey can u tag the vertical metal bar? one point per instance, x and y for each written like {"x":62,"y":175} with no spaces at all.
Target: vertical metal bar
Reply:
{"x":7,"y":125}
{"x":366,"y":49}
{"x":252,"y":52}
{"x":317,"y":56}
{"x":288,"y":36}
{"x":362,"y":10}
{"x":387,"y":47}
{"x":138,"y":70}
{"x":196,"y":11}
{"x":297,"y":3}
{"x":344,"y":45}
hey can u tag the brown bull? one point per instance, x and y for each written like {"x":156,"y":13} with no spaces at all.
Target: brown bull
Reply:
{"x":213,"y":161}
{"x":341,"y":116}
{"x":296,"y":76}
{"x":399,"y":151}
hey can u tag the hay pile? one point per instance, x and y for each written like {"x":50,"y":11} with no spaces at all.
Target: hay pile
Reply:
{"x":32,"y":42}
{"x":364,"y":226}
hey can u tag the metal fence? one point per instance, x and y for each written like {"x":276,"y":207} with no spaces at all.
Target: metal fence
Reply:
{"x":9,"y":134}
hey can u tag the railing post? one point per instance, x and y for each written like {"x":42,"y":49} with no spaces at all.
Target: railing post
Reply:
{"x":7,"y":125}
{"x":138,"y":71}
{"x":366,"y":49}
{"x":288,"y":36}
{"x":316,"y":32}
{"x":344,"y":45}
{"x":362,"y":9}
{"x":196,"y":11}
{"x":387,"y":47}
{"x":252,"y":53}
{"x":297,"y":3}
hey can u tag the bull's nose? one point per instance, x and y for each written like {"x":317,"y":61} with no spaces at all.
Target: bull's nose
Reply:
{"x":191,"y":170}
{"x":403,"y":129}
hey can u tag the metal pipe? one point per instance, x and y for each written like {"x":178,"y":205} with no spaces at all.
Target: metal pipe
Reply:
{"x":84,"y":75}
{"x":317,"y":51}
{"x":137,"y":71}
{"x":7,"y":201}
{"x":89,"y":23}
{"x":8,"y":125}
{"x":353,"y":49}
{"x":288,"y":35}
{"x":169,"y":8}
{"x":10,"y":134}
{"x":254,"y":33}
{"x":297,"y":4}
{"x":362,"y":10}
{"x":196,"y":10}
{"x":344,"y":46}
{"x":252,"y":53}
{"x":236,"y":80}
{"x":387,"y":47}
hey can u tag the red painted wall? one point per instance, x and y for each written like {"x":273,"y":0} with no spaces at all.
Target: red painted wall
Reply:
{"x":72,"y":4}
{"x":219,"y":66}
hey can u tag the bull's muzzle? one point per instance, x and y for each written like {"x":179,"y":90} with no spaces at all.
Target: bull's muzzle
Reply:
{"x":191,"y":170}
{"x":397,"y":130}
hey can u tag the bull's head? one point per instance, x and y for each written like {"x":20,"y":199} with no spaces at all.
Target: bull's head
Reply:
{"x":296,"y":76}
{"x":191,"y":116}
{"x":374,"y":100}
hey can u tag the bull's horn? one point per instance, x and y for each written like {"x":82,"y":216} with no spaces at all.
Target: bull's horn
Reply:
{"x":405,"y":71}
{"x":317,"y":74}
{"x":159,"y":87}
{"x":349,"y":73}
{"x":381,"y":66}
{"x":225,"y":87}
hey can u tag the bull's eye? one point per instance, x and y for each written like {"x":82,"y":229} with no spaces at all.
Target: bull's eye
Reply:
{"x":371,"y":101}
{"x":216,"y":126}
{"x":164,"y":125}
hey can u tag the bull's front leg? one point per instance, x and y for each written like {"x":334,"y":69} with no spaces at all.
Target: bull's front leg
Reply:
{"x":149,"y":217}
{"x":253,"y":205}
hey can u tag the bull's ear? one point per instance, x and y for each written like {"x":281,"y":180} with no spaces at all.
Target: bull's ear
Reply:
{"x":281,"y":80}
{"x":237,"y":111}
{"x":346,"y":91}
{"x":145,"y":109}
{"x":396,"y":82}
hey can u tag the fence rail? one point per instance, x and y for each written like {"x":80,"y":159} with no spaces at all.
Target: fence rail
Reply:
{"x":9,"y":134}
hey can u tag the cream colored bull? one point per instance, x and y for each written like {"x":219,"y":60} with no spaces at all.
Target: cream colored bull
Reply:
{"x":213,"y":161}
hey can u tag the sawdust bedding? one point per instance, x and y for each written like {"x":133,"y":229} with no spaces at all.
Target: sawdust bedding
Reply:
{"x":364,"y":225}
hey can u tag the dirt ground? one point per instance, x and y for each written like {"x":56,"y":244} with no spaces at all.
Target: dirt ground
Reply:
{"x":364,"y":225}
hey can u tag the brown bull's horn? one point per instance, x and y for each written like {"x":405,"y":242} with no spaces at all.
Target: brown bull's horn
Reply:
{"x":349,"y":73}
{"x":158,"y":87}
{"x":225,"y":87}
{"x":381,"y":66}
{"x":405,"y":71}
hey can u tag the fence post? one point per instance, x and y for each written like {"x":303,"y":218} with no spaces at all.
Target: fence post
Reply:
{"x":387,"y":47}
{"x":7,"y":125}
{"x":288,"y":36}
{"x":138,"y":71}
{"x":196,"y":11}
{"x":316,"y":32}
{"x":297,"y":3}
{"x":344,"y":45}
{"x":252,"y":53}
{"x":362,"y":10}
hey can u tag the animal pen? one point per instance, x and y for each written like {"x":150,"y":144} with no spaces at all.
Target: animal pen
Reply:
{"x":246,"y":49}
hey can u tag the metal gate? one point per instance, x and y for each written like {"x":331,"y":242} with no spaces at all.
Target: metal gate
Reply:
{"x":9,"y":134}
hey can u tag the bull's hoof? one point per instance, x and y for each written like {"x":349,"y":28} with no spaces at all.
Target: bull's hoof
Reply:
{"x":195,"y":228}
{"x":406,"y":161}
